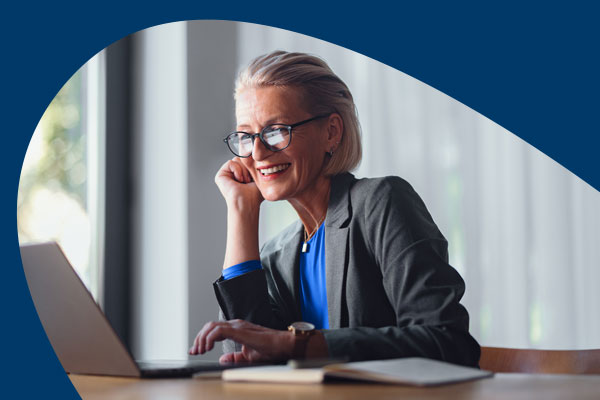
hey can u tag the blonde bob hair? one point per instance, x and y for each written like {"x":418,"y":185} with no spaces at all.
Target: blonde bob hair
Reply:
{"x":322,"y":92}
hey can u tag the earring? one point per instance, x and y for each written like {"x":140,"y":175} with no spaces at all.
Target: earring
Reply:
{"x":330,"y":152}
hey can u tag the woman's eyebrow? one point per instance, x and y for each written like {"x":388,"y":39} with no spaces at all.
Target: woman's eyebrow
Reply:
{"x":274,"y":120}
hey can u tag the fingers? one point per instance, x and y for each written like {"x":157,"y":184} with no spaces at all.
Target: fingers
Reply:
{"x":242,"y":356}
{"x":213,"y":330}
{"x":216,"y":331}
{"x":253,"y":338}
{"x":248,"y":354}
{"x":228,"y":358}
{"x":234,"y":169}
{"x":237,"y":171}
{"x":198,"y":347}
{"x":257,"y":342}
{"x":232,"y":358}
{"x":240,"y":171}
{"x":217,"y":334}
{"x":194,"y":350}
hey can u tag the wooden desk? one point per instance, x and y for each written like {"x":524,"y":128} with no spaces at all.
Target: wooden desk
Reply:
{"x":502,"y":386}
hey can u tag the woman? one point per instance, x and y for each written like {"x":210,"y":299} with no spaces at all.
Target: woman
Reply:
{"x":365,"y":264}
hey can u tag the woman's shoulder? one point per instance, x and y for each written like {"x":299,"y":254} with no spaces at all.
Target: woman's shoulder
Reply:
{"x":384,"y":183}
{"x":391,"y":200}
{"x":374,"y":189}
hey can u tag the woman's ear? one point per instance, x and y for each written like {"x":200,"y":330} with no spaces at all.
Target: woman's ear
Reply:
{"x":335,"y":130}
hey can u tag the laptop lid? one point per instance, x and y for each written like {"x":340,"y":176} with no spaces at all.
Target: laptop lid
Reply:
{"x":80,"y":334}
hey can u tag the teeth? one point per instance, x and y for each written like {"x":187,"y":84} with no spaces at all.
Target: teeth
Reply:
{"x":272,"y":170}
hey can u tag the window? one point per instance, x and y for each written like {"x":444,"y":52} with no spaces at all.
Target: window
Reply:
{"x":60,"y":180}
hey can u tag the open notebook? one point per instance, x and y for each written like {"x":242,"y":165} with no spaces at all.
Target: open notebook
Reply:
{"x":404,"y":371}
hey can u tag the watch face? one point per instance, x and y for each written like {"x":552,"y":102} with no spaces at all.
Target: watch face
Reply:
{"x":303,"y":326}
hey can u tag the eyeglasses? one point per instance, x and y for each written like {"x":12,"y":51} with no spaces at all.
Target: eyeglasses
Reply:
{"x":275,"y":137}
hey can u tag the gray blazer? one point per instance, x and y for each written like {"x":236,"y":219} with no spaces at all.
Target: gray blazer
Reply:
{"x":390,"y":290}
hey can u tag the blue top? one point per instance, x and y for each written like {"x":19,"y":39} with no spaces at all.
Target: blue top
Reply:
{"x":313,"y":290}
{"x":241,"y":268}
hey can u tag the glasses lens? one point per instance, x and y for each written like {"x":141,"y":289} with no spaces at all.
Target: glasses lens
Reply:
{"x":277,"y":137}
{"x":240,"y":144}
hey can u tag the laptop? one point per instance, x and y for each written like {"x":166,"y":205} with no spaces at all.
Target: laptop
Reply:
{"x":78,"y":330}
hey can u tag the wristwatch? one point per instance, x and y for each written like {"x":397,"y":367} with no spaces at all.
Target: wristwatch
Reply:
{"x":302,"y":331}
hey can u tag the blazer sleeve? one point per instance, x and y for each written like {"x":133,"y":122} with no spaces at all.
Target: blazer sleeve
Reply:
{"x":247,"y":297}
{"x":424,"y":291}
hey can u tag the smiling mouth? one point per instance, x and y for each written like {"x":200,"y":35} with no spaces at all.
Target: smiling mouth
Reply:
{"x":273,"y":170}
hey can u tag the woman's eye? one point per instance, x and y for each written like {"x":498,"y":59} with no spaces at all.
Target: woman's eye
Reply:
{"x":272,"y":128}
{"x":275,"y":137}
{"x":271,"y":132}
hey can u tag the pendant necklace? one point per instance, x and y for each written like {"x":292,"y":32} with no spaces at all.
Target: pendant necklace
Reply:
{"x":307,"y":236}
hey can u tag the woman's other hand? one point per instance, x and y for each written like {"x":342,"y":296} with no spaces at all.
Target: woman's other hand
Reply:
{"x":259,"y":344}
{"x":236,"y":185}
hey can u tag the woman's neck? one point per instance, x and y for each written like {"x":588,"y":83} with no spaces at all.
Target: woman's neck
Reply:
{"x":312,"y":205}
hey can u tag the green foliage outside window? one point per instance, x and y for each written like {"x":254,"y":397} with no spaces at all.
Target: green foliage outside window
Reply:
{"x":51,"y":203}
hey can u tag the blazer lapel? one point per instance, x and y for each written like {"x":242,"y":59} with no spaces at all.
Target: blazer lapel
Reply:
{"x":336,"y":245}
{"x":290,"y":255}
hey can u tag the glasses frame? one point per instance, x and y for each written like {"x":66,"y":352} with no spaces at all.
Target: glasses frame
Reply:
{"x":260,"y":135}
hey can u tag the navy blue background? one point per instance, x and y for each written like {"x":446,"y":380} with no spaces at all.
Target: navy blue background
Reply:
{"x":531,"y":69}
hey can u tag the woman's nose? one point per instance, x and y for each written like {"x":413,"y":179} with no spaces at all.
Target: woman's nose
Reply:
{"x":259,"y":151}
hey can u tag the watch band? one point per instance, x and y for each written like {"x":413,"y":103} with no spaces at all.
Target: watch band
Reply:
{"x":300,"y":345}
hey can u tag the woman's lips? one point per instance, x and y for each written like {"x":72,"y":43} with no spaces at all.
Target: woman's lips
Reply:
{"x":272,"y":172}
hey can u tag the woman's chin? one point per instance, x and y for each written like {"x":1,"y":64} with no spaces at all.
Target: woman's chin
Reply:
{"x":272,"y":195}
